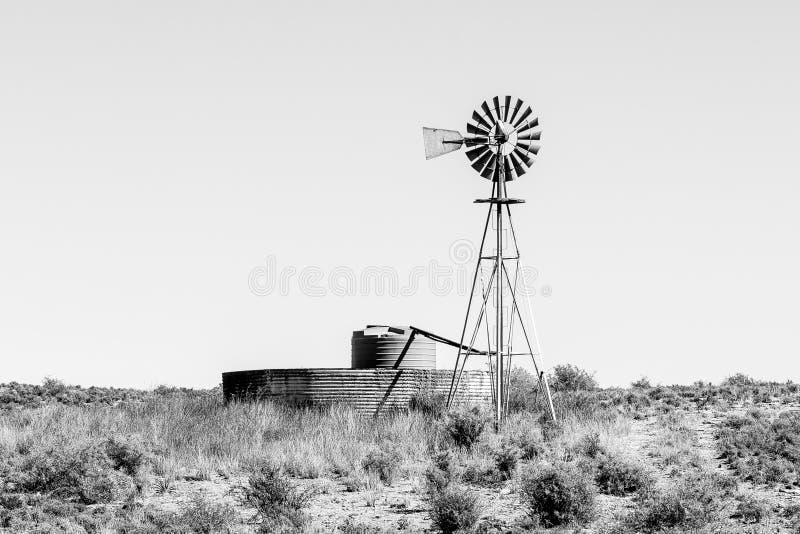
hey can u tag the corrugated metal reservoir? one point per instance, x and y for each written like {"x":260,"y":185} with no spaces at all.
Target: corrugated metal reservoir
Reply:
{"x":391,"y":347}
{"x":390,"y":365}
{"x":370,"y":391}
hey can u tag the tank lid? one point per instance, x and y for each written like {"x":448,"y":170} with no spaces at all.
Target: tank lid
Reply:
{"x":383,"y":330}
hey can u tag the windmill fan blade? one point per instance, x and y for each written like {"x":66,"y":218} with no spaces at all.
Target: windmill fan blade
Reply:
{"x":485,"y":108}
{"x":528,"y":148}
{"x":488,"y":172}
{"x":476,"y":129}
{"x":509,"y":170}
{"x":522,"y":117}
{"x":438,"y":142}
{"x":530,"y":124}
{"x":530,"y":136}
{"x":475,"y":152}
{"x":518,"y":169}
{"x":505,"y":111}
{"x":474,"y":141}
{"x":525,"y":159}
{"x":480,"y":120}
{"x":481,"y":161}
{"x":496,"y":102}
{"x":516,"y":109}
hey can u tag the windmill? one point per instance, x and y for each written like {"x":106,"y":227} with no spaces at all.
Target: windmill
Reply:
{"x":502,"y":142}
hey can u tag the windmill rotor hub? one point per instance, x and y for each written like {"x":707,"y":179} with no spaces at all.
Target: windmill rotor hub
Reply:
{"x":503,"y":138}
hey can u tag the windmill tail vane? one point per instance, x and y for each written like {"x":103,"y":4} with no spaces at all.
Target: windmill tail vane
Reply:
{"x":501,"y":141}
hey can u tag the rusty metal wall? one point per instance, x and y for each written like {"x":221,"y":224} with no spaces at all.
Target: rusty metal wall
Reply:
{"x":368,"y":390}
{"x":386,"y":347}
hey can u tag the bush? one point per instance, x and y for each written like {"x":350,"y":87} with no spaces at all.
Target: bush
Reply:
{"x":524,"y":434}
{"x":620,"y":476}
{"x":454,"y":509}
{"x":558,"y":494}
{"x":523,"y":392}
{"x":278,"y":502}
{"x":482,"y":472}
{"x":590,"y":446}
{"x":642,"y":383}
{"x":568,"y":377}
{"x":506,"y":459}
{"x":383,"y":462}
{"x":350,"y":526}
{"x":81,"y":474}
{"x":658,"y":510}
{"x":739,"y":379}
{"x":762,"y":450}
{"x":751,"y":509}
{"x":205,"y":516}
{"x":441,"y":474}
{"x":127,"y":454}
{"x":53,"y":387}
{"x":465,"y":427}
{"x":697,"y":500}
{"x":437,"y":480}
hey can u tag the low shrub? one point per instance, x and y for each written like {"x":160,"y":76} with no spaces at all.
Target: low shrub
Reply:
{"x":525,"y":435}
{"x":591,"y":446}
{"x":465,"y":427}
{"x":279,"y":503}
{"x":751,"y":509}
{"x":383,"y":462}
{"x":739,"y":379}
{"x":454,"y":509}
{"x":506,"y":459}
{"x":205,"y":516}
{"x":760,"y":449}
{"x":351,"y":526}
{"x":482,"y":472}
{"x":568,"y":377}
{"x":558,"y":494}
{"x":80,"y":473}
{"x":127,"y":454}
{"x":523,"y":392}
{"x":621,"y":476}
{"x":436,"y":480}
{"x":658,"y":511}
{"x":354,"y":482}
{"x":641,"y":383}
{"x":440,"y":474}
{"x":697,"y":500}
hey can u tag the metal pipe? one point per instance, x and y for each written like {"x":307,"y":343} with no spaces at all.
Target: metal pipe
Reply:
{"x":500,"y":397}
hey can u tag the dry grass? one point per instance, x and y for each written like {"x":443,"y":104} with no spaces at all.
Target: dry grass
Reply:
{"x":202,"y":434}
{"x":131,"y":446}
{"x":676,"y":446}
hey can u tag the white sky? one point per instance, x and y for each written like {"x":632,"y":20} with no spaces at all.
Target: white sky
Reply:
{"x":152,"y":154}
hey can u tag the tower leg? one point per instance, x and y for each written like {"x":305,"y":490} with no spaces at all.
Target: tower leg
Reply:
{"x":451,"y":392}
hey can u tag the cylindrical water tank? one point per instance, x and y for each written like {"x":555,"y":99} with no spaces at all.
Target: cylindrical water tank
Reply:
{"x":391,"y":347}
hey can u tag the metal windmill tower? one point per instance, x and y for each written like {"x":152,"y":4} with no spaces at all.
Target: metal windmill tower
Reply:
{"x":502,"y":140}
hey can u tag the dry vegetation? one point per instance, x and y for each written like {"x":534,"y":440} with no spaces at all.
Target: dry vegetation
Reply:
{"x":701,"y":458}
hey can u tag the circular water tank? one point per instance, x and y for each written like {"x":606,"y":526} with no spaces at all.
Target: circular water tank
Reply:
{"x":391,"y":347}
